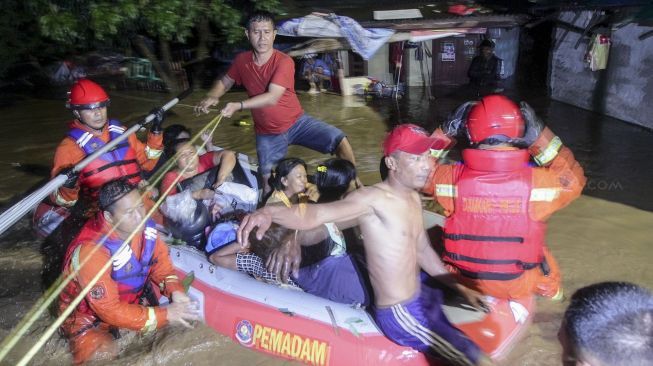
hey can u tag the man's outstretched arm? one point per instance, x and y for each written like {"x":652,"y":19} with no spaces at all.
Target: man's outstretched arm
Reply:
{"x":219,"y":88}
{"x":305,"y":217}
{"x":267,"y":99}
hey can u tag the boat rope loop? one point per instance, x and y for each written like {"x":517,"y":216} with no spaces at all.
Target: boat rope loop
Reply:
{"x":53,"y":292}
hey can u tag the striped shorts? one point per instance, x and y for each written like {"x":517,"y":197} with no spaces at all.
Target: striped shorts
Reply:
{"x":420,"y":324}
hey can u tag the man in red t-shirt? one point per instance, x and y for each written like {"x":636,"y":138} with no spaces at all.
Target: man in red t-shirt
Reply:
{"x":268,"y":77}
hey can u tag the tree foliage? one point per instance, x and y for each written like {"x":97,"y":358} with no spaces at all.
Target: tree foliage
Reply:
{"x":171,"y":20}
{"x":84,"y":25}
{"x":18,"y":29}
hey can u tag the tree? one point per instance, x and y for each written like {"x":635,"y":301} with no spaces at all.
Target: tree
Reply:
{"x":18,"y":42}
{"x":118,"y":23}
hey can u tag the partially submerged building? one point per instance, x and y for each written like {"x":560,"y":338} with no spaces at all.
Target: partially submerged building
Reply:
{"x":439,"y":50}
{"x":598,"y":56}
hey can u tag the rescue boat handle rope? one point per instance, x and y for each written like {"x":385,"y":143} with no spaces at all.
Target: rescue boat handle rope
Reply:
{"x":15,"y":212}
{"x":114,"y":94}
{"x":53,"y":292}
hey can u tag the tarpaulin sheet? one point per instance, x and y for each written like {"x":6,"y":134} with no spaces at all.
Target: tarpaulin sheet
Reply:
{"x":364,"y":41}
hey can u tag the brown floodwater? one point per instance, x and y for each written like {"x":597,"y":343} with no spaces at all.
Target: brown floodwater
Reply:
{"x":604,"y":235}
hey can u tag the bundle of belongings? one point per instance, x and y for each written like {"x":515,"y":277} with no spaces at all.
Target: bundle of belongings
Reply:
{"x":382,"y":90}
{"x":190,"y":220}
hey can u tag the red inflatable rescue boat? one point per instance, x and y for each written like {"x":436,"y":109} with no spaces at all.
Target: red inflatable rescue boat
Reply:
{"x":299,"y":326}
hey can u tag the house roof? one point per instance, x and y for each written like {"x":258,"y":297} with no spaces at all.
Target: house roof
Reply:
{"x":490,"y":13}
{"x":451,"y":21}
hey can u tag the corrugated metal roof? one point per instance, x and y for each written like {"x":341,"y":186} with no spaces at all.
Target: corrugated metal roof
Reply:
{"x":362,"y":10}
{"x":450,"y":21}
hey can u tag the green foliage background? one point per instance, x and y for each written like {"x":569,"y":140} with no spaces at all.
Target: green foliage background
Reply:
{"x":40,"y":30}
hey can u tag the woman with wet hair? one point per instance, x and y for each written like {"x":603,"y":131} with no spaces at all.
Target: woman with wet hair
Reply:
{"x":172,"y":136}
{"x":327,"y":270}
{"x":334,"y":178}
{"x":289,"y":183}
{"x":190,"y":164}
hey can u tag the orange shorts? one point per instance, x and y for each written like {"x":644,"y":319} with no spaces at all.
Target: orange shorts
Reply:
{"x":529,"y":283}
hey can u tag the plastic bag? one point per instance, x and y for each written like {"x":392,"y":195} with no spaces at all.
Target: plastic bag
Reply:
{"x":232,"y":196}
{"x":180,"y":207}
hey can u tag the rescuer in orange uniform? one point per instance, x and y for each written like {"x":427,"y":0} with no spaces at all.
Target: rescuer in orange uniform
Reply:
{"x":497,"y":201}
{"x":89,"y":131}
{"x":116,"y":299}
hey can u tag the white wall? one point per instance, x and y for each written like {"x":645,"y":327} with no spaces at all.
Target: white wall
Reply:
{"x":507,"y":49}
{"x":414,"y":76}
{"x":377,"y":66}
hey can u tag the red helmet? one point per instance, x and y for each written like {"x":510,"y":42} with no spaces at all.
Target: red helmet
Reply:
{"x":494,"y":115}
{"x":85,"y":94}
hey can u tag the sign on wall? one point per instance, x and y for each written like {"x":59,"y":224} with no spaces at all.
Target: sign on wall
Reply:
{"x":470,"y":49}
{"x":448,"y":52}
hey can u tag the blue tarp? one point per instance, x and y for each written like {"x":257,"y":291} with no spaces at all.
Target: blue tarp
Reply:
{"x":364,"y":41}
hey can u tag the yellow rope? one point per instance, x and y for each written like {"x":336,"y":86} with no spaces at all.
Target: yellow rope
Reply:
{"x":53,"y":327}
{"x":53,"y":292}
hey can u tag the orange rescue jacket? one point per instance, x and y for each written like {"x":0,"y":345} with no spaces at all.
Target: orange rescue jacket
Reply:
{"x":69,"y":153}
{"x":103,"y":301}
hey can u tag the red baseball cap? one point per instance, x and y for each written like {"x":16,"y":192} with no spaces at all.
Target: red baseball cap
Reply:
{"x":408,"y":138}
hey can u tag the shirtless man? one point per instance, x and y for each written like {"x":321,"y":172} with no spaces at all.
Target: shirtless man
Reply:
{"x":396,"y":244}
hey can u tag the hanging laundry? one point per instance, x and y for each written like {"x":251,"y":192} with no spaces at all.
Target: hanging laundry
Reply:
{"x":396,"y":53}
{"x":599,"y":51}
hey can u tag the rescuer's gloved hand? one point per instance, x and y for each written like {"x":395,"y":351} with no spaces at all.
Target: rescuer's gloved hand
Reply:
{"x":159,"y":116}
{"x":71,"y":182}
{"x":455,"y":124}
{"x":533,"y":126}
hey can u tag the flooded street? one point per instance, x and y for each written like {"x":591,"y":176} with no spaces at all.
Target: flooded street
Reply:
{"x":604,"y":235}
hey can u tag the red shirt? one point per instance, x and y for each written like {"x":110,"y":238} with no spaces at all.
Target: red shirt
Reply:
{"x":206,"y":163}
{"x":280,"y":70}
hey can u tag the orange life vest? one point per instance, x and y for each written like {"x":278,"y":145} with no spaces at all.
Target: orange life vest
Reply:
{"x":129,"y":273}
{"x":120,"y":162}
{"x":490,"y":235}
